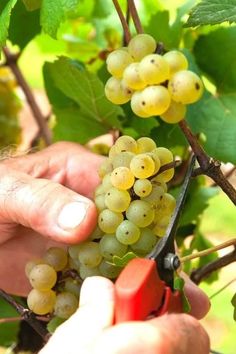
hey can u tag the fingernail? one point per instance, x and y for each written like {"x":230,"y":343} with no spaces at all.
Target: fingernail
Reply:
{"x":72,"y":215}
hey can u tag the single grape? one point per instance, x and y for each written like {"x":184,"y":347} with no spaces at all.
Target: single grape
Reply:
{"x":142,"y":187}
{"x":142,"y":166}
{"x":122,"y":178}
{"x":110,"y":246}
{"x":140,"y":213}
{"x":126,"y":143}
{"x":141,"y":45}
{"x":167,"y":205}
{"x":127,"y":233}
{"x":160,"y":228}
{"x":105,"y":168}
{"x":117,"y":92}
{"x":73,"y":287}
{"x":100,"y":202}
{"x":74,"y":263}
{"x":30,"y":265}
{"x":106,"y":183}
{"x":137,"y":105}
{"x":117,"y":200}
{"x":123,"y":159}
{"x":154,"y":69}
{"x":43,"y":277}
{"x":108,"y":221}
{"x":132,"y":78}
{"x":156,"y":161}
{"x":117,"y":61}
{"x":145,"y":144}
{"x":89,"y":254}
{"x":155,"y":100}
{"x":145,"y":243}
{"x":175,"y":113}
{"x":66,"y":304}
{"x":86,"y":272}
{"x":74,"y":250}
{"x":165,"y":156}
{"x":177,"y":61}
{"x":41,"y":302}
{"x":155,"y":182}
{"x":112,"y":152}
{"x":155,"y":196}
{"x":185,"y":87}
{"x":99,"y":190}
{"x":109,"y":270}
{"x":56,"y":257}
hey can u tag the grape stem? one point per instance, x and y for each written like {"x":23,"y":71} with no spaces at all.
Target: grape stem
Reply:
{"x":208,"y":166}
{"x":165,"y":167}
{"x":223,"y":288}
{"x":123,"y":21}
{"x":26,"y":315}
{"x":135,"y":16}
{"x":11,"y":61}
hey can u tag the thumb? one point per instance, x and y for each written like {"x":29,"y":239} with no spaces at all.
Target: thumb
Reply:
{"x":44,"y":206}
{"x":95,"y":313}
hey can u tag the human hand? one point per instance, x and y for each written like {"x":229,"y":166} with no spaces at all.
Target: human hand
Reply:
{"x":90,"y":330}
{"x":34,"y":189}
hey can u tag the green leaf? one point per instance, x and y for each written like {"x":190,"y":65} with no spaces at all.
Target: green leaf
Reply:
{"x":5,"y":14}
{"x":18,"y":33}
{"x":211,"y":12}
{"x":54,"y":323}
{"x":215,"y":55}
{"x":32,"y":5}
{"x":233,"y":301}
{"x":123,"y":261}
{"x":179,"y":285}
{"x":78,"y":98}
{"x":8,"y":331}
{"x":53,"y":13}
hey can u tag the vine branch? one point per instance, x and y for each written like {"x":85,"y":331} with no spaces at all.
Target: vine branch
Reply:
{"x":135,"y":16}
{"x":208,"y":165}
{"x":123,"y":21}
{"x":11,"y":61}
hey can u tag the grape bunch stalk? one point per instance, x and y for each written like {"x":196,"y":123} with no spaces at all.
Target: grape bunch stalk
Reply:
{"x":134,"y":210}
{"x":156,"y":85}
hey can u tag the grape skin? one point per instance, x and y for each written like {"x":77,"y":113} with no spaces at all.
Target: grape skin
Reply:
{"x":176,"y":60}
{"x":155,"y":100}
{"x":145,"y":144}
{"x":175,"y":113}
{"x":108,"y":221}
{"x":117,"y":61}
{"x":126,"y":143}
{"x":141,"y":45}
{"x":122,"y":178}
{"x":142,"y":187}
{"x":132,"y":78}
{"x":117,"y":200}
{"x":140,"y":213}
{"x":89,"y":254}
{"x":127,"y":233}
{"x":56,"y":257}
{"x":41,"y":302}
{"x":117,"y":92}
{"x":142,"y":166}
{"x":66,"y":304}
{"x":137,"y":105}
{"x":43,"y":277}
{"x":154,"y":69}
{"x":110,"y":246}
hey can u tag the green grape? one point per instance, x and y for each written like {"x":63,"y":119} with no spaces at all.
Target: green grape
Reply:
{"x":142,"y":166}
{"x":117,"y":61}
{"x":185,"y":87}
{"x":73,"y":287}
{"x":137,"y":105}
{"x":155,"y":100}
{"x":43,"y":277}
{"x":165,"y":157}
{"x":105,"y":168}
{"x":156,"y":161}
{"x":41,"y":302}
{"x":117,"y":92}
{"x":141,"y":45}
{"x":108,"y":221}
{"x":175,"y":113}
{"x":145,"y":144}
{"x":160,"y":228}
{"x":106,"y":183}
{"x":142,"y":187}
{"x":89,"y":254}
{"x":155,"y":196}
{"x":110,"y":246}
{"x":132,"y":77}
{"x":109,"y":270}
{"x":123,"y":159}
{"x":176,"y":60}
{"x":74,"y":263}
{"x":126,"y":143}
{"x":155,"y":182}
{"x":127,"y":233}
{"x":167,"y":205}
{"x":30,"y":265}
{"x":100,"y":202}
{"x":122,"y":178}
{"x":99,"y":190}
{"x":140,"y":213}
{"x":117,"y":200}
{"x":66,"y":304}
{"x":154,"y":69}
{"x":112,"y":152}
{"x":74,"y":250}
{"x":96,"y":234}
{"x":86,"y":272}
{"x":145,"y":243}
{"x":56,"y":257}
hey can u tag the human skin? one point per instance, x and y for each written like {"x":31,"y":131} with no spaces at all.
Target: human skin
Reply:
{"x":45,"y":199}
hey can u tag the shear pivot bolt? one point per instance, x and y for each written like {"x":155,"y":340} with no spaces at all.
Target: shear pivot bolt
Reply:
{"x":171,"y":261}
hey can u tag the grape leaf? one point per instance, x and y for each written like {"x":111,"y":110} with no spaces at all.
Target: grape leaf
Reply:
{"x":211,"y":12}
{"x":123,"y":261}
{"x":215,"y":54}
{"x":53,"y":13}
{"x":5,"y":14}
{"x":8,"y":331}
{"x":179,"y":285}
{"x":32,"y":5}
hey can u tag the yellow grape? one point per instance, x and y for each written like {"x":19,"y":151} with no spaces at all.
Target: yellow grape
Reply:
{"x":142,"y":166}
{"x":132,"y":78}
{"x":145,"y":144}
{"x":165,"y":156}
{"x":155,"y":100}
{"x":175,"y":113}
{"x":41,"y":302}
{"x":56,"y":257}
{"x":142,"y":187}
{"x":43,"y":277}
{"x":66,"y":304}
{"x":177,"y":61}
{"x":185,"y":87}
{"x":117,"y":61}
{"x":117,"y":92}
{"x":105,"y":168}
{"x":126,"y":143}
{"x":137,"y":105}
{"x":123,"y":159}
{"x":122,"y":178}
{"x":108,"y":221}
{"x":140,"y":213}
{"x":117,"y":200}
{"x":154,"y":69}
{"x":141,"y":45}
{"x":100,"y":202}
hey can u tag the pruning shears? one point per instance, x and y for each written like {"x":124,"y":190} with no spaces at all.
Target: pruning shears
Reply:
{"x":145,"y":286}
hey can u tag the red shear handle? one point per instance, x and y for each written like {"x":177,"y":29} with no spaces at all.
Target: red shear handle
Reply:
{"x":139,"y":292}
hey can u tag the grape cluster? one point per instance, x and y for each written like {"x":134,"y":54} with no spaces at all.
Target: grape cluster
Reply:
{"x":134,"y":210}
{"x":156,"y":85}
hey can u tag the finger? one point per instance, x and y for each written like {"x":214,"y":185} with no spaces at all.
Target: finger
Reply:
{"x":200,"y":303}
{"x":170,"y":334}
{"x":67,"y":163}
{"x":45,"y":206}
{"x":94,"y":314}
